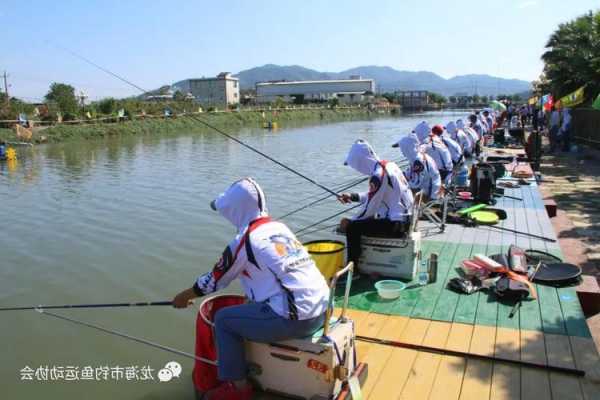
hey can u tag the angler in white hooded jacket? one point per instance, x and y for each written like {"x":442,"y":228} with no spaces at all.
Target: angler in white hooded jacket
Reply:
{"x":460,"y":137}
{"x":386,"y":207}
{"x":288,"y":295}
{"x":435,"y":148}
{"x":422,"y":173}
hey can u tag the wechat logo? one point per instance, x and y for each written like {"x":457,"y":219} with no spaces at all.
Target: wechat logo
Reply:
{"x":171,"y":370}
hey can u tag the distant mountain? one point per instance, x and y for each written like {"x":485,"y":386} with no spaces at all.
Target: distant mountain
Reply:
{"x":389,"y":79}
{"x":272,"y":72}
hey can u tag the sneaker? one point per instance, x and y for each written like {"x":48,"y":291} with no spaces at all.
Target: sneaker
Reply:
{"x":228,"y":391}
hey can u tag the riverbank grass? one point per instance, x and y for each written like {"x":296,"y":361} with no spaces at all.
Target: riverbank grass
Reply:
{"x":230,"y":121}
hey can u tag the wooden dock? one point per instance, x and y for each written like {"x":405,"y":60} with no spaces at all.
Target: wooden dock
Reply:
{"x":551,"y":330}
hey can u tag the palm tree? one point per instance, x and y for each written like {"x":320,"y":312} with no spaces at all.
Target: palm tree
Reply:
{"x":572,"y":58}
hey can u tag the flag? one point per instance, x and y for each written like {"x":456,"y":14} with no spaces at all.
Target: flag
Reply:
{"x":573,"y":99}
{"x":534,"y":100}
{"x":548,"y":102}
{"x":596,"y":104}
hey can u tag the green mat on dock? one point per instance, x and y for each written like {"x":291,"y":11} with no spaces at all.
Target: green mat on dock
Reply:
{"x":556,"y":311}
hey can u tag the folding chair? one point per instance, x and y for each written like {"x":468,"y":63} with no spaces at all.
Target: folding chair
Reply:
{"x":429,"y":210}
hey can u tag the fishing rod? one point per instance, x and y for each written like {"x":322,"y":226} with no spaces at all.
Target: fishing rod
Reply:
{"x":472,"y":223}
{"x":103,"y":305}
{"x":419,"y":347}
{"x":208,"y":125}
{"x":327,"y":218}
{"x":338,"y":188}
{"x":126,"y":336}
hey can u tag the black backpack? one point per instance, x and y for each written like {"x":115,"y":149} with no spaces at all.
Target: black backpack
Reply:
{"x":483,"y":183}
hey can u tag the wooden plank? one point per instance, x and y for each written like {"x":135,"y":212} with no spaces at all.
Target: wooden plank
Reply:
{"x":589,"y":389}
{"x":430,"y":293}
{"x":586,"y":357}
{"x":552,"y":317}
{"x":448,"y":379}
{"x":358,"y":316}
{"x":506,"y":382}
{"x":393,"y":327}
{"x":565,"y":387}
{"x":477,"y":380}
{"x":415,"y":331}
{"x":483,"y":340}
{"x":426,"y":364}
{"x":459,"y":338}
{"x":448,"y":299}
{"x":376,"y":359}
{"x":533,"y":347}
{"x":530,"y":316}
{"x":535,"y":384}
{"x":573,"y":313}
{"x":508,"y":344}
{"x":558,"y":351}
{"x":437,"y":334}
{"x":392,"y":379}
{"x":426,"y":293}
{"x":371,"y":326}
{"x":421,"y":377}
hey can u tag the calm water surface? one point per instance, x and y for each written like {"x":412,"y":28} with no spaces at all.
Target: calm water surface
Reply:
{"x":128,"y":219}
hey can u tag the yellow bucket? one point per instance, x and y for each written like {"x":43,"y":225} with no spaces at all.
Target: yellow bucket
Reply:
{"x":328,"y":256}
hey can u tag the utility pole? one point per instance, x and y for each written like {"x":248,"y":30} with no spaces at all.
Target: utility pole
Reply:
{"x":7,"y":100}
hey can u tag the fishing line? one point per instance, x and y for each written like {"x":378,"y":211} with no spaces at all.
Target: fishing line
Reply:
{"x":317,"y":230}
{"x":208,"y":125}
{"x":327,"y":218}
{"x":297,"y":210}
{"x":126,"y":336}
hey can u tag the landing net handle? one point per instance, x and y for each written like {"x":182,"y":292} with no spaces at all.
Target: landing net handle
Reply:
{"x":347,"y":269}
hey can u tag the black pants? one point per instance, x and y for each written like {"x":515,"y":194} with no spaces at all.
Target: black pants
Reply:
{"x":371,"y":226}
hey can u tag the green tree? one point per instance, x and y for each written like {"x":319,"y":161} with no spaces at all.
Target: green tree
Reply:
{"x":476,"y":98}
{"x":391,"y":97}
{"x":484,"y":99}
{"x":437,"y":98}
{"x":107,"y":106}
{"x":64,"y":97}
{"x":452,"y":99}
{"x":572,"y":58}
{"x":334,"y":102}
{"x":179,"y":96}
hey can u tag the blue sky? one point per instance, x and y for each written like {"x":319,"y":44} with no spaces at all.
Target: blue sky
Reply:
{"x":155,"y":42}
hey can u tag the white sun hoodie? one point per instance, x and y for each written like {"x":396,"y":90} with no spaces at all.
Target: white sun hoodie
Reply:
{"x":437,"y":150}
{"x":389,"y":195}
{"x":271,"y":263}
{"x":459,"y":137}
{"x":422,"y":173}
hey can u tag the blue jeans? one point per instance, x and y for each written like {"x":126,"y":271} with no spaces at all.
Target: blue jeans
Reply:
{"x":256,"y":322}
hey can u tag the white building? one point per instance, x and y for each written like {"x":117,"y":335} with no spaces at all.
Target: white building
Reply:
{"x":223,"y":89}
{"x":353,"y":90}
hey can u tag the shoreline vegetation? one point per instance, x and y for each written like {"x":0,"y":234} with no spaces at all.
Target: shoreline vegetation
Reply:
{"x":231,"y":121}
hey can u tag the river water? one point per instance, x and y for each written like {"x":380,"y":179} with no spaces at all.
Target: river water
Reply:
{"x":128,"y":219}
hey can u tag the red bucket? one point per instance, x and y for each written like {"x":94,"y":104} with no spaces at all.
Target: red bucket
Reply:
{"x":205,"y":375}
